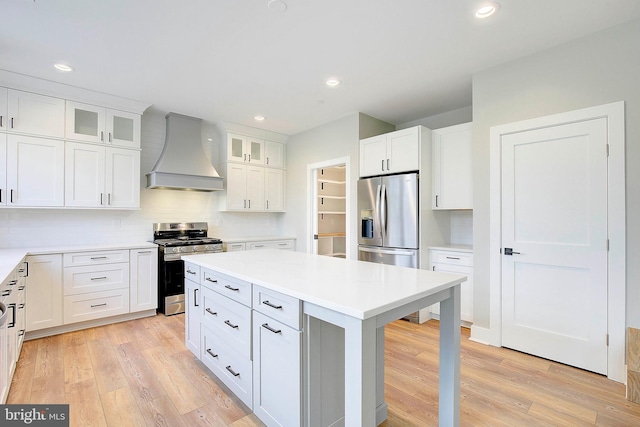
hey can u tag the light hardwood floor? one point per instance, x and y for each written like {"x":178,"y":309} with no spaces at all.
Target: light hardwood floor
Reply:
{"x":139,"y":373}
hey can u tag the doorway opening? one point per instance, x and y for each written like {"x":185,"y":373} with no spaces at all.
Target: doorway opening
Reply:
{"x":329,"y":208}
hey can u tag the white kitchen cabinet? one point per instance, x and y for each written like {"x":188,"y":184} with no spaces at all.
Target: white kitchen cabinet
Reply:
{"x":232,"y":247}
{"x":392,"y":152}
{"x":35,"y":171}
{"x":277,"y":372}
{"x":274,"y":154}
{"x":273,"y":189}
{"x":271,"y":244}
{"x":143,"y":280}
{"x":245,"y":188}
{"x":457,"y":262}
{"x":101,"y":176}
{"x":44,"y":291}
{"x":35,"y":114}
{"x":193,"y":311}
{"x":245,"y":149}
{"x":452,"y":168}
{"x":91,"y":123}
{"x":4,"y":195}
{"x":4,"y":95}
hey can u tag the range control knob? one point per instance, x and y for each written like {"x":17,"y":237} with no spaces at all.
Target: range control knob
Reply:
{"x":195,"y":249}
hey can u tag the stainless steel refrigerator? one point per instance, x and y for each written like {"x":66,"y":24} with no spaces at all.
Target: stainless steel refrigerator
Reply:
{"x":389,"y":211}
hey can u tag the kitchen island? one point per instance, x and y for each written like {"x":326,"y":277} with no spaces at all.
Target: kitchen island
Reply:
{"x":359,"y":298}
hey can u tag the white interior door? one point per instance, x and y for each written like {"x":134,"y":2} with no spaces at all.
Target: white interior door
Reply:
{"x":554,"y":219}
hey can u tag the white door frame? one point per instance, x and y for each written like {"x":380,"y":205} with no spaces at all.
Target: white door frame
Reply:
{"x":616,"y":275}
{"x":312,"y":199}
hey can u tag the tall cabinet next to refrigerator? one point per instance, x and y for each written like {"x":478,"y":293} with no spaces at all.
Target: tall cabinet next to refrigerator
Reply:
{"x":389,"y":215}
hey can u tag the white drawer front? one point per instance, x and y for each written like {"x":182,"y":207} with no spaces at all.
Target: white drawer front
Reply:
{"x":273,"y":244}
{"x":89,"y":278}
{"x":232,"y":369}
{"x":232,"y":247}
{"x":452,"y":257}
{"x":229,"y":319}
{"x":233,"y":288}
{"x":192,"y":272}
{"x":281,"y":307}
{"x":98,"y":257}
{"x":78,"y":308}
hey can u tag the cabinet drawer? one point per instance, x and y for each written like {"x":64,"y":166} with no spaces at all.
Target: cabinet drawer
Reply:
{"x":237,"y":290}
{"x":451,"y":257}
{"x":278,"y":306}
{"x":232,"y":247}
{"x":192,"y":272}
{"x":229,"y":319}
{"x":98,"y":257}
{"x":78,"y":308}
{"x":231,"y":368}
{"x":89,"y":278}
{"x":273,"y":244}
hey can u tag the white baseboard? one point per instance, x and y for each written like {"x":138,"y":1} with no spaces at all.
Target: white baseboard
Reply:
{"x":480,"y":335}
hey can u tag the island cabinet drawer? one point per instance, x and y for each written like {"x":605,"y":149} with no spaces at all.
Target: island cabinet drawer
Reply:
{"x":451,"y":257}
{"x":236,"y":289}
{"x":234,"y":370}
{"x":97,"y":257}
{"x":192,"y":272}
{"x":284,"y":308}
{"x":95,"y":305}
{"x":230,"y":320}
{"x":93,"y":278}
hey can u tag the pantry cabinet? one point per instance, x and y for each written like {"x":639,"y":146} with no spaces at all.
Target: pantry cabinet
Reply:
{"x":390,"y":153}
{"x":97,"y":124}
{"x":452,"y":168}
{"x":35,"y":114}
{"x":101,"y":176}
{"x":35,"y":171}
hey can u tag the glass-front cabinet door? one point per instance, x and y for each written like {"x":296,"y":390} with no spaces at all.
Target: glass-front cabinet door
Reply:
{"x":123,"y":129}
{"x":85,"y":122}
{"x":255,"y":148}
{"x":236,"y":148}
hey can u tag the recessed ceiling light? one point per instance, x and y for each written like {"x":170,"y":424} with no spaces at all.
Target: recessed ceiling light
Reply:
{"x":259,"y":118}
{"x":333,"y":82}
{"x":63,"y":67}
{"x":487,"y":10}
{"x":277,"y":6}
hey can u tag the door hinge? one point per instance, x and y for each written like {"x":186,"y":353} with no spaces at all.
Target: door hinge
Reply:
{"x":315,"y":237}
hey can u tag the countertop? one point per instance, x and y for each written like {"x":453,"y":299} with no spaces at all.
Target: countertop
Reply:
{"x":254,"y":239}
{"x":457,"y":248}
{"x":9,"y":258}
{"x":354,"y":288}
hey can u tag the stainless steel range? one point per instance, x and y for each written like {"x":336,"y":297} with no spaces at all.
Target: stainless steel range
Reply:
{"x":175,"y":239}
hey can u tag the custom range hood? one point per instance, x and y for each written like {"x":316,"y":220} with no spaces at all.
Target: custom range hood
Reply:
{"x":183,"y":164}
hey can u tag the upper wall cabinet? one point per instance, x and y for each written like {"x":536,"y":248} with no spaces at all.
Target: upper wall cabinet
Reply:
{"x":90,"y":123}
{"x":274,"y":154}
{"x":452,"y":174}
{"x":247,"y":149}
{"x":4,"y":93}
{"x":34,"y":114}
{"x":389,"y":153}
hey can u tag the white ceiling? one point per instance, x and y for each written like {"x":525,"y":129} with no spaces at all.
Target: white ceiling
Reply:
{"x":232,"y":59}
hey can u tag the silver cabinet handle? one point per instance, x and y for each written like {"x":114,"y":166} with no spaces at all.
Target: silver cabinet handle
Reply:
{"x":231,"y":325}
{"x":12,"y":123}
{"x":99,"y":305}
{"x":213,"y":313}
{"x":98,"y":257}
{"x":99,"y":278}
{"x":235,"y":374}
{"x":269,"y":328}
{"x":195,"y":298}
{"x":209,"y":279}
{"x":211,"y":353}
{"x":231,"y":288}
{"x":102,"y":135}
{"x":190,"y":272}
{"x":277,"y":307}
{"x":452,"y":257}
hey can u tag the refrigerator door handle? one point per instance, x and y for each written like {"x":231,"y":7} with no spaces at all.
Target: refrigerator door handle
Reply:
{"x":385,"y":251}
{"x":383,"y":211}
{"x":378,"y":221}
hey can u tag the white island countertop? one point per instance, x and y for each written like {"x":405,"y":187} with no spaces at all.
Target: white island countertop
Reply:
{"x":354,"y":288}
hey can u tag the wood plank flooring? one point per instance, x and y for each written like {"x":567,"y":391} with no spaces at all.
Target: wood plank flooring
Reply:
{"x":139,"y":373}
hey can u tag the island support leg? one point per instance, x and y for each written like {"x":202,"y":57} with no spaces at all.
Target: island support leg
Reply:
{"x":360,"y":372}
{"x":449,"y":404}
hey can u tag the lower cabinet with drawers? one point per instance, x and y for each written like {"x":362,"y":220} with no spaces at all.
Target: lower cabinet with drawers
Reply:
{"x":458,"y":262}
{"x":250,"y":339}
{"x":73,"y":290}
{"x":259,"y":243}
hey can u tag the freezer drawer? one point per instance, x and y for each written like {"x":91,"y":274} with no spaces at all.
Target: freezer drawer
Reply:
{"x":401,"y":257}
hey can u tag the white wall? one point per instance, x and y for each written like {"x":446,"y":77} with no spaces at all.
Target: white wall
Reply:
{"x":449,"y":118}
{"x":594,"y":70}
{"x":58,"y":227}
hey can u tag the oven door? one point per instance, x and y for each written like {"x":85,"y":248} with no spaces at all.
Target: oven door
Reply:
{"x":171,"y":287}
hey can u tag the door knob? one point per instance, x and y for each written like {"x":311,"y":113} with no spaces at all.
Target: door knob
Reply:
{"x":510,"y":251}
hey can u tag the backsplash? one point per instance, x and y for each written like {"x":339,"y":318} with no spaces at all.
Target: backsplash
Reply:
{"x":68,"y":227}
{"x":461,"y":227}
